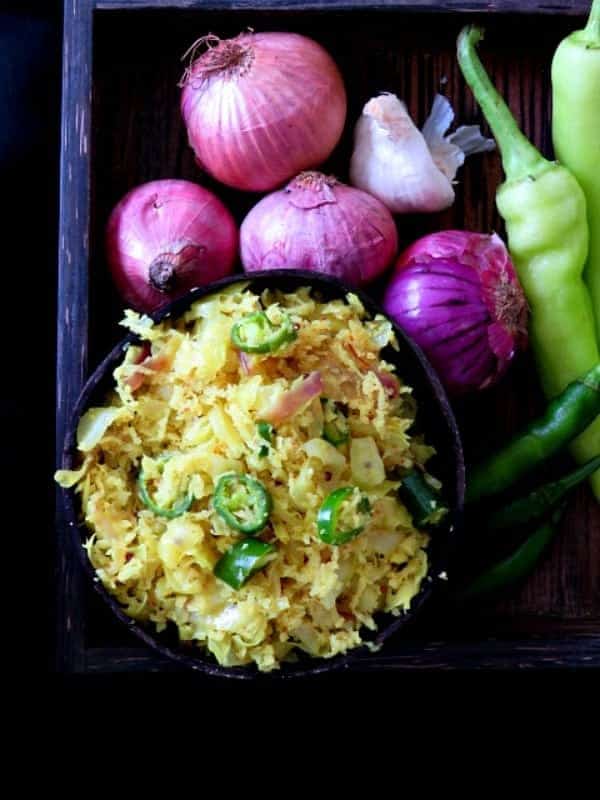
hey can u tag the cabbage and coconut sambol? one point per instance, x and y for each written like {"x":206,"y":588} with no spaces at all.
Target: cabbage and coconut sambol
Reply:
{"x":254,"y":478}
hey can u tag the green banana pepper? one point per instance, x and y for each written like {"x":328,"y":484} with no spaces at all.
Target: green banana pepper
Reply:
{"x":543,"y":207}
{"x":576,"y":129}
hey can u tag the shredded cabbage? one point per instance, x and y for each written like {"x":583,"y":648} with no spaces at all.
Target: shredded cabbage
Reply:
{"x":186,"y":411}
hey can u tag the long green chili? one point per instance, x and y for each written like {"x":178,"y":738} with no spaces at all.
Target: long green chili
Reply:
{"x":534,"y":506}
{"x":566,"y":416}
{"x":518,"y":564}
{"x":544,"y":210}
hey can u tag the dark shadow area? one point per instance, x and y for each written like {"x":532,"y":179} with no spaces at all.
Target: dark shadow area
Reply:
{"x":30,"y":35}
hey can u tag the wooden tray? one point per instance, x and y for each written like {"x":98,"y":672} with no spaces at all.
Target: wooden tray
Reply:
{"x":121,"y":125}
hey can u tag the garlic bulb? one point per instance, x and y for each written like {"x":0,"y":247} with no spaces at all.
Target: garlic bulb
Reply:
{"x":409,"y":170}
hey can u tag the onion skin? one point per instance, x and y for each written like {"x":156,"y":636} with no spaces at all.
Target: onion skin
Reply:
{"x":317,"y":223}
{"x":165,"y":238}
{"x":261,"y":107}
{"x":458,"y":296}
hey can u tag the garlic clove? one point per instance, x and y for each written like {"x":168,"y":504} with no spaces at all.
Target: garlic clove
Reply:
{"x":409,"y":170}
{"x":391,"y":160}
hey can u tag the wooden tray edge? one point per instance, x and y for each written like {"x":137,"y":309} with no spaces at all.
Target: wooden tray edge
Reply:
{"x":577,"y":651}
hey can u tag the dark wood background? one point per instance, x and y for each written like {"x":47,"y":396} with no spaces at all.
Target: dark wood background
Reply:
{"x":135,"y":134}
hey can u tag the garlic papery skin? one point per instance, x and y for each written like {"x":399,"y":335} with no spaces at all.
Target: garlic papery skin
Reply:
{"x":408,"y":170}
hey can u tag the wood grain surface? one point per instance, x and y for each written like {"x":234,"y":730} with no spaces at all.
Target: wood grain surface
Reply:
{"x":563,"y":7}
{"x":137,"y":135}
{"x":72,"y":304}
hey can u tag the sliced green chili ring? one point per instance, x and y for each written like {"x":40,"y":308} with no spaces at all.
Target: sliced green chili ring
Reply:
{"x":265,"y":431}
{"x":255,"y":333}
{"x":419,"y":498}
{"x":335,"y":431}
{"x":243,"y":502}
{"x":364,"y":505}
{"x":176,"y":510}
{"x":242,"y":560}
{"x":327,"y":518}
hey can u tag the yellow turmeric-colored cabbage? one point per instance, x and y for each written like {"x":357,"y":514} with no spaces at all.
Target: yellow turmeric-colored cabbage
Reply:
{"x":186,"y":412}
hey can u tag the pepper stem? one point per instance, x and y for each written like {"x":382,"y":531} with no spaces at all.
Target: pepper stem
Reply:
{"x":592,"y":29}
{"x":519,"y":156}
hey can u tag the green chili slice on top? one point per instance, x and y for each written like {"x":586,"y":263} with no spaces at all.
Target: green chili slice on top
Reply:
{"x":421,"y":500}
{"x":176,"y":510}
{"x":265,"y":431}
{"x":242,"y":560}
{"x":255,"y":333}
{"x":328,"y":516}
{"x":335,"y":425}
{"x":243,"y":502}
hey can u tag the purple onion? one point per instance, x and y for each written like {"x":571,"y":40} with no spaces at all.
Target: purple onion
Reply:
{"x":457,"y":295}
{"x":317,"y":223}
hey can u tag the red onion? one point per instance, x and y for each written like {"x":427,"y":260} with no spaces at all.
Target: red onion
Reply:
{"x":138,"y":377}
{"x":457,"y":294}
{"x":245,"y":363}
{"x":261,"y":107}
{"x":295,"y":399}
{"x":166,"y":237}
{"x":250,"y":365}
{"x":319,"y":224}
{"x":389,"y":383}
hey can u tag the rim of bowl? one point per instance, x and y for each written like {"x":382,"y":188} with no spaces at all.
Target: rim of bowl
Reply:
{"x":196,"y":656}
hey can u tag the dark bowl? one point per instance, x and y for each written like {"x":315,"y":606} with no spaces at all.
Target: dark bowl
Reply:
{"x":434,"y":418}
